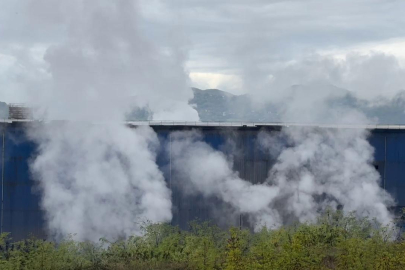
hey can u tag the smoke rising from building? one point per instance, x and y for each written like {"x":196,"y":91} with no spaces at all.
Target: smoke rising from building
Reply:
{"x":203,"y":170}
{"x":315,"y":170}
{"x":106,"y":62}
{"x":327,"y":168}
{"x":101,"y":179}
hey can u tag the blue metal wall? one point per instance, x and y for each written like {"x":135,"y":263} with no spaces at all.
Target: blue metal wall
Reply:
{"x":22,"y":215}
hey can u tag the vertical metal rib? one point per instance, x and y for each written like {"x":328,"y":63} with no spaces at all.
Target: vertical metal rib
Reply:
{"x":2,"y":181}
{"x":170,"y":161}
{"x":385,"y":158}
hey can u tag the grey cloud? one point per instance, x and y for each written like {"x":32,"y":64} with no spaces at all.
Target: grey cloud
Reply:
{"x":231,"y":37}
{"x":253,"y":39}
{"x":262,"y":30}
{"x":369,"y":77}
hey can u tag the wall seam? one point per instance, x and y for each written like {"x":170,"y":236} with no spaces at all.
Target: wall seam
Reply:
{"x":170,"y":161}
{"x":2,"y":181}
{"x":385,"y":158}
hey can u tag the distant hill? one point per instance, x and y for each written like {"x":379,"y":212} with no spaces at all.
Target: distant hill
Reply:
{"x":221,"y":106}
{"x":388,"y":112}
{"x":217,"y":105}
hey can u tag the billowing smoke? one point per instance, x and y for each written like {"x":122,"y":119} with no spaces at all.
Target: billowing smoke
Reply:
{"x":326,"y":168}
{"x":105,"y":66}
{"x":315,"y":170}
{"x":202,"y":170}
{"x":99,"y":178}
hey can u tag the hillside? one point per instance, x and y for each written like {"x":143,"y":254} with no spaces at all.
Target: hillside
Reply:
{"x":217,"y":105}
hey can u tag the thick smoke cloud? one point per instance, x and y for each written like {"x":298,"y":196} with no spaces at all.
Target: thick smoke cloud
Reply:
{"x":99,"y":180}
{"x":318,"y":168}
{"x":202,"y":170}
{"x":324,"y":168}
{"x":101,"y":52}
{"x":102,"y":180}
{"x":107,"y":62}
{"x":315,"y":170}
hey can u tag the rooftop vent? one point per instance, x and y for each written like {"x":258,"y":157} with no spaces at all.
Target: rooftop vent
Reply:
{"x":19,"y":111}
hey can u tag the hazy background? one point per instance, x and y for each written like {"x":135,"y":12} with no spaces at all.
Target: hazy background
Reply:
{"x":261,"y":48}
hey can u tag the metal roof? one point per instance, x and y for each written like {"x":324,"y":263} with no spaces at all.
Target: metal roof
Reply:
{"x":230,"y":124}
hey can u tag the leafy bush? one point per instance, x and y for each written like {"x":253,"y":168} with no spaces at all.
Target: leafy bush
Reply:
{"x":335,"y":241}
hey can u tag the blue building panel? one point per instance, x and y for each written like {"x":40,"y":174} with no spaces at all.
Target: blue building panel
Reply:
{"x":21,"y":203}
{"x":22,"y":213}
{"x":395,"y":147}
{"x":377,"y":140}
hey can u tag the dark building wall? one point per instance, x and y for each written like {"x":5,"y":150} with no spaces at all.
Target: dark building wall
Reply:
{"x":22,"y":215}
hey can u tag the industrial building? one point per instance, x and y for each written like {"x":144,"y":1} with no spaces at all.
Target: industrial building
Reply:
{"x":22,"y":216}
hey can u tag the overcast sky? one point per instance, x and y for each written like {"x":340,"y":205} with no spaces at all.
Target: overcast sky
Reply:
{"x":234,"y":45}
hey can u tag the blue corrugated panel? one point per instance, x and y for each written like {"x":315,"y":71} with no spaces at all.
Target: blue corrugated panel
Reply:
{"x":395,"y":181}
{"x":215,"y":139}
{"x":22,"y":214}
{"x":378,"y":141}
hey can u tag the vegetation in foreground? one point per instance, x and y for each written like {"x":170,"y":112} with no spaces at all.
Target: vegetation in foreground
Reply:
{"x":334,"y":242}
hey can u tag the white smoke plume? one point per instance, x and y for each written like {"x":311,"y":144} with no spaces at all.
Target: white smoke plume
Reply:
{"x":99,"y":178}
{"x":318,"y":168}
{"x":315,"y":169}
{"x":324,"y":168}
{"x":105,"y":61}
{"x":201,"y":169}
{"x":329,"y":167}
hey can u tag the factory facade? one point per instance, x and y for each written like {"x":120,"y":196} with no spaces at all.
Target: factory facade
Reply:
{"x":21,"y":214}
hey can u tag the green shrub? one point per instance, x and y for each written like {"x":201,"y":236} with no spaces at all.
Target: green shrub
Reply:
{"x":335,"y":241}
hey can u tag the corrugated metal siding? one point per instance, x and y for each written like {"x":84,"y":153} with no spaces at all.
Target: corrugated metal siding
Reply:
{"x":391,"y":149}
{"x":22,"y":215}
{"x":21,"y":212}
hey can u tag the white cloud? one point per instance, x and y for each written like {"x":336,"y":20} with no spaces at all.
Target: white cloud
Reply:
{"x":230,"y":83}
{"x":394,"y":47}
{"x":232,"y":44}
